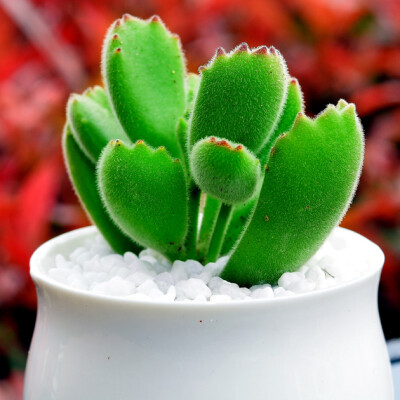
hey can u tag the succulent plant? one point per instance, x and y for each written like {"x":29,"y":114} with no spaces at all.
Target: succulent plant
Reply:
{"x":199,"y":166}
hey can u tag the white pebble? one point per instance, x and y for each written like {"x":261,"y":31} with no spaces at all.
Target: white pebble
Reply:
{"x":304,"y":269}
{"x":220,"y":298}
{"x":279,"y":291}
{"x":59,"y":274}
{"x":86,"y":256}
{"x":138,"y":278}
{"x":78,"y":283}
{"x":232,"y":290}
{"x":288,"y":278}
{"x":215,"y":283}
{"x":116,"y":286}
{"x":130,"y":257}
{"x":93,"y":276}
{"x":94,"y":267}
{"x":215,"y":268}
{"x":60,"y":260}
{"x":123,"y":272}
{"x":149,"y":259}
{"x":144,"y":267}
{"x":302,"y":286}
{"x":205,"y":276}
{"x":149,"y":287}
{"x":164,"y":281}
{"x":263,"y":293}
{"x":100,"y":249}
{"x":159,"y":268}
{"x":200,"y":299}
{"x":111,"y":260}
{"x":170,"y":295}
{"x":155,"y":254}
{"x":178,"y":271}
{"x":193,"y":267}
{"x":76,"y":253}
{"x":315,"y":274}
{"x":192,"y":288}
{"x":73,"y":276}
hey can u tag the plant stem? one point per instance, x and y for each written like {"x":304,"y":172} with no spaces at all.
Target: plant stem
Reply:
{"x":210,"y":214}
{"x":193,"y":214}
{"x":217,"y":239}
{"x":240,"y":217}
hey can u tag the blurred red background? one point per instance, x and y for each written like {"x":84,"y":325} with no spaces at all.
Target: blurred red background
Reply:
{"x":48,"y":48}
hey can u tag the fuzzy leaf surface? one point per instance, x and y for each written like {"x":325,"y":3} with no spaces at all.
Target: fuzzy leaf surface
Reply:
{"x":294,"y":104}
{"x":309,"y":183}
{"x":145,"y":193}
{"x":181,"y":134}
{"x":92,"y":121}
{"x":240,"y":218}
{"x":240,"y":98}
{"x":226,"y":171}
{"x":82,"y":173}
{"x":211,"y":210}
{"x":192,"y":84}
{"x":144,"y":71}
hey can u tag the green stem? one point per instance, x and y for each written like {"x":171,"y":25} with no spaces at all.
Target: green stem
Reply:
{"x":217,"y":239}
{"x":210,"y":214}
{"x":240,"y":217}
{"x":193,"y":214}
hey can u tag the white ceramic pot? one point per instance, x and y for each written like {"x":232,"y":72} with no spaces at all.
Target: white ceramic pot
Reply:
{"x":324,"y":345}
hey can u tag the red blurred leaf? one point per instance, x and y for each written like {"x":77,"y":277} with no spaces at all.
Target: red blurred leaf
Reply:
{"x":376,"y":97}
{"x":36,"y":199}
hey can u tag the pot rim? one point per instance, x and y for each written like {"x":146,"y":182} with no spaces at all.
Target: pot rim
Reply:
{"x":41,"y":279}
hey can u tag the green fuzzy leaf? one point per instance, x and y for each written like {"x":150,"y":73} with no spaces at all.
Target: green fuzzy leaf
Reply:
{"x":144,"y":70}
{"x":145,"y":193}
{"x":82,"y":174}
{"x":193,"y":219}
{"x":192,"y":87}
{"x":193,"y":81}
{"x":226,"y":171}
{"x":241,"y":97}
{"x":240,"y":218}
{"x":92,"y":121}
{"x":182,"y":137}
{"x":221,"y":225}
{"x":294,"y":104}
{"x":210,"y":214}
{"x":309,"y":183}
{"x":98,"y":95}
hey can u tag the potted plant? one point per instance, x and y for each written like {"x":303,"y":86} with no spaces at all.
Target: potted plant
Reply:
{"x":221,"y":169}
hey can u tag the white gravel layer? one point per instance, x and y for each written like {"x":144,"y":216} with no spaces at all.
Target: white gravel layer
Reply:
{"x":94,"y":268}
